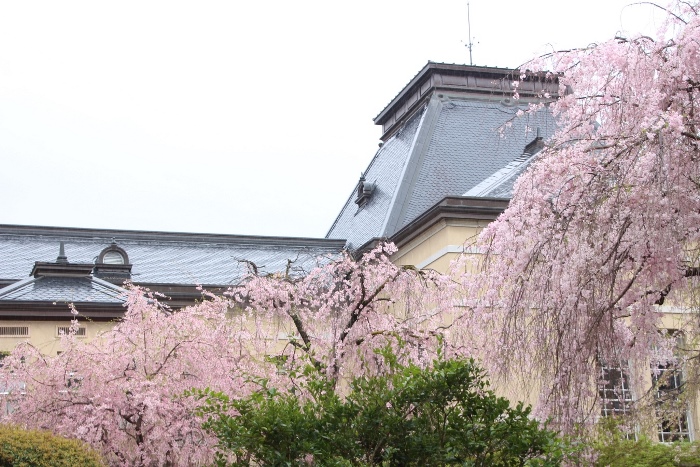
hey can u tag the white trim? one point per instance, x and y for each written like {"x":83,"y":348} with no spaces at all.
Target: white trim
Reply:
{"x":498,"y":177}
{"x":16,"y":285}
{"x":446,"y":250}
{"x":682,"y":310}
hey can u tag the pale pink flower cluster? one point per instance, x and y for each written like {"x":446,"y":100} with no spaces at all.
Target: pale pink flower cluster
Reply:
{"x":604,"y":226}
{"x":124,"y":392}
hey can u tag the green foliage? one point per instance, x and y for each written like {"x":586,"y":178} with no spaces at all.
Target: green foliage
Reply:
{"x":31,"y":448}
{"x":644,"y":453}
{"x":444,"y":415}
{"x":614,"y":450}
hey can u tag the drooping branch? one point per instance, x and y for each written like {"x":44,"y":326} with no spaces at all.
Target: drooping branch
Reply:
{"x":362,"y":304}
{"x":599,"y":224}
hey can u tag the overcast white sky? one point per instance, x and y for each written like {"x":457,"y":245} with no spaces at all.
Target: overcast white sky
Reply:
{"x":237,"y":117}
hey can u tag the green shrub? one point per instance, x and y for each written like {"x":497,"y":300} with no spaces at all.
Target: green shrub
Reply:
{"x":32,"y":448}
{"x":644,"y":453}
{"x":611,"y":448}
{"x":444,"y":415}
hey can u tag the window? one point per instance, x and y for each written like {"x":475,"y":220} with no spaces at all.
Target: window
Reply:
{"x":671,"y":412}
{"x":113,"y":264}
{"x":364,"y":191}
{"x":73,"y":381}
{"x":14,"y":331}
{"x":113,"y":257}
{"x":614,"y":390}
{"x":65,"y":330}
{"x":3,"y":355}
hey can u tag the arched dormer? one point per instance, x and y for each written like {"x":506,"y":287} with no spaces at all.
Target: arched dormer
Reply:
{"x":113,"y":254}
{"x":113,"y":264}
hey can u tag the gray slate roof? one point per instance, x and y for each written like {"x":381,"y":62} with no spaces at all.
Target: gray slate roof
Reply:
{"x":450,"y":146}
{"x":163,"y":257}
{"x":358,"y":225}
{"x":500,"y":184}
{"x":63,"y":289}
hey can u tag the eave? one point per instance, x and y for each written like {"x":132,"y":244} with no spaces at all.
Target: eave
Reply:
{"x":184,"y":237}
{"x":450,"y":207}
{"x":455,"y":79}
{"x":44,"y":311}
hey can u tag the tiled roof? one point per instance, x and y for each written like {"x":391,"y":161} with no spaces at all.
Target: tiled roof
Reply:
{"x":466,"y":147}
{"x":500,"y":184}
{"x":457,"y":145}
{"x":356,"y":224}
{"x":63,"y":289}
{"x":162,"y":257}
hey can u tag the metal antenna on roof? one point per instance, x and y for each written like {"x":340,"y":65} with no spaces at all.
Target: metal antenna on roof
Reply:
{"x":470,"y":44}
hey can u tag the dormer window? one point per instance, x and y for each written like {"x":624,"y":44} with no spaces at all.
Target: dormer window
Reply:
{"x":113,"y":257}
{"x":113,"y":264}
{"x":364,"y":191}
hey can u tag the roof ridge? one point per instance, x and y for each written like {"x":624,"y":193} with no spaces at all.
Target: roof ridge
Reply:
{"x":23,"y":231}
{"x":17,"y":285}
{"x":497,"y":178}
{"x":414,"y":159}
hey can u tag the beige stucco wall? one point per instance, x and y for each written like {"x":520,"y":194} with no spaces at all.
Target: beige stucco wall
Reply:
{"x":44,"y":334}
{"x":438,"y":245}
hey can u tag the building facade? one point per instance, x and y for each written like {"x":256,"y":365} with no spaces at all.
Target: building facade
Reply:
{"x":47,"y":270}
{"x":451,"y":150}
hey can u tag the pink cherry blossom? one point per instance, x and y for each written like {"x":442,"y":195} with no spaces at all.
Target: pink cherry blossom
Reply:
{"x":604,"y":227}
{"x":124,"y":392}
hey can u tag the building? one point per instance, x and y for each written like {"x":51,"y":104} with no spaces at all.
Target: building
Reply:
{"x":451,"y":151}
{"x":44,"y":269}
{"x":443,"y":171}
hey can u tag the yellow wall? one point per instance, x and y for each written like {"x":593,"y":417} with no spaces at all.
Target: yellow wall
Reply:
{"x":438,"y":245}
{"x":44,"y":334}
